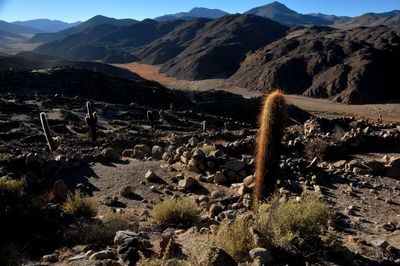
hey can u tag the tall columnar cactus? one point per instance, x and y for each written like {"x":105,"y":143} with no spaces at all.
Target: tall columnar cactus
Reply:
{"x":91,"y":120}
{"x":272,"y":122}
{"x":149,"y":115}
{"x":204,"y":126}
{"x":53,"y":142}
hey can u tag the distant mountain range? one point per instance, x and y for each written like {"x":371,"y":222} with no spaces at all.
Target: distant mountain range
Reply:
{"x":95,"y":21}
{"x":197,"y":12}
{"x":46,"y":25}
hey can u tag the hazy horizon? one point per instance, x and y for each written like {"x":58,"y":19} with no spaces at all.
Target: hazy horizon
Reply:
{"x":67,"y":11}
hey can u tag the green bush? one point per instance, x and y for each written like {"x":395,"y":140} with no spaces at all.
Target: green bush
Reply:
{"x":176,"y":211}
{"x":298,"y":226}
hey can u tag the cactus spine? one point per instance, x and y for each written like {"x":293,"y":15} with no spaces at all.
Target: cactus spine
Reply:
{"x":53,"y":142}
{"x":91,"y":120}
{"x":272,"y":122}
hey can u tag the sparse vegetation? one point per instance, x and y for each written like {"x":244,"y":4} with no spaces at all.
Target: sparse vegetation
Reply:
{"x":298,"y":226}
{"x":79,"y":206}
{"x":235,"y":238}
{"x":161,"y":262}
{"x":176,"y":211}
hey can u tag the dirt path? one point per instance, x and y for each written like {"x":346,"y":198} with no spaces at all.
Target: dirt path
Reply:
{"x":389,"y":112}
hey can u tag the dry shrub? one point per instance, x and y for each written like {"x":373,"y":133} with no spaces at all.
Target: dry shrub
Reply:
{"x":176,"y":211}
{"x":161,"y":262}
{"x":12,"y":188}
{"x":80,"y":206}
{"x":236,"y":239}
{"x":298,"y":226}
{"x":316,"y":148}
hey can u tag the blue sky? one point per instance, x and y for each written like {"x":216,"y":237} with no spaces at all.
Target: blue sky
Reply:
{"x":73,"y":10}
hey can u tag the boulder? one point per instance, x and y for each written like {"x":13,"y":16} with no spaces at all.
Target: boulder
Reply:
{"x":157,"y":152}
{"x":235,"y":165}
{"x":140,"y":151}
{"x":110,"y":154}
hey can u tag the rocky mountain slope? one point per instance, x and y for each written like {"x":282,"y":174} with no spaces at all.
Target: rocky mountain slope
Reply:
{"x":221,"y":45}
{"x":108,"y":42}
{"x":354,"y":66}
{"x":31,"y":61}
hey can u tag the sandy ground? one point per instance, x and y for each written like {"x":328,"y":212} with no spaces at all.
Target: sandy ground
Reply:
{"x":389,"y":112}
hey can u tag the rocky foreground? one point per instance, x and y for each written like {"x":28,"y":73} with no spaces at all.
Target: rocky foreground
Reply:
{"x":141,"y":158}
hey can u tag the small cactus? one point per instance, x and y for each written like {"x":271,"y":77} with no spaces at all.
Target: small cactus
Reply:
{"x":149,"y":115}
{"x":53,"y":142}
{"x":91,"y":120}
{"x":204,"y":126}
{"x":272,"y":121}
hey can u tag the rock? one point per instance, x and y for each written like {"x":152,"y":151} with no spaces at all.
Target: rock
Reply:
{"x":109,"y":201}
{"x":32,"y":158}
{"x":60,"y":190}
{"x":126,"y":191}
{"x":123,"y":236}
{"x":262,"y":254}
{"x":128,"y":153}
{"x":242,"y":190}
{"x":380,"y":243}
{"x":215,"y":209}
{"x":110,"y":154}
{"x":157,"y":152}
{"x":128,"y":251}
{"x":193,"y":141}
{"x":374,"y":166}
{"x":153,"y":177}
{"x":166,"y":156}
{"x":193,"y":166}
{"x":187,"y":183}
{"x":79,"y":257}
{"x":393,"y":168}
{"x":248,"y":181}
{"x":52,"y":258}
{"x":217,"y":194}
{"x":389,"y":227}
{"x":219,"y":178}
{"x":140,"y":151}
{"x":235,"y":165}
{"x":104,"y":255}
{"x":198,"y":155}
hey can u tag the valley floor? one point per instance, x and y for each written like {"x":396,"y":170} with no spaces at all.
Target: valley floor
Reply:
{"x":389,"y":112}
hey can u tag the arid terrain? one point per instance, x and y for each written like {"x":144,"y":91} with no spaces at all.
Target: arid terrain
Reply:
{"x":200,"y":138}
{"x":387,"y":112}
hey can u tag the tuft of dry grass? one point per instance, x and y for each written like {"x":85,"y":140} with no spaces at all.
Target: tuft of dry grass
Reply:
{"x":12,"y":187}
{"x":176,"y":211}
{"x":236,"y":239}
{"x":298,"y":226}
{"x":80,"y":206}
{"x":161,"y":262}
